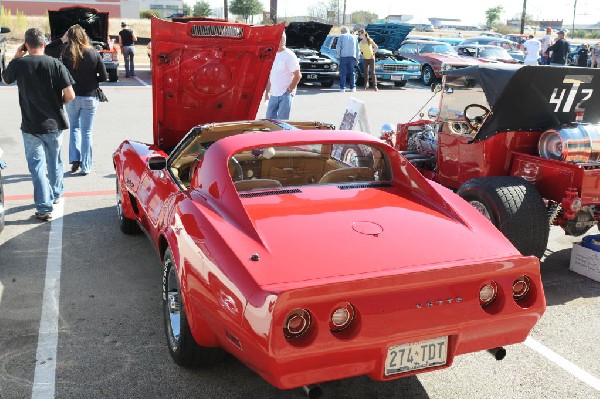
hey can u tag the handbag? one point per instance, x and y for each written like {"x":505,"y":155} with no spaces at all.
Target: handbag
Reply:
{"x":101,"y":96}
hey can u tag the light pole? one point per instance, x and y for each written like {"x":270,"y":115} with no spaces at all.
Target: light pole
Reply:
{"x":573,"y":31}
{"x":523,"y":16}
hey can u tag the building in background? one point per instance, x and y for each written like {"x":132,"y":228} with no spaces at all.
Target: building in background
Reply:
{"x":116,"y":8}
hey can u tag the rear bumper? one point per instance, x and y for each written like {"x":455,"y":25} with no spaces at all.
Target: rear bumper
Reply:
{"x":297,"y":368}
{"x":391,"y":311}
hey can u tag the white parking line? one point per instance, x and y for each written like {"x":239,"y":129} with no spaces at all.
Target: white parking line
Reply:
{"x":141,"y":81}
{"x":45,"y":358}
{"x":568,"y":366}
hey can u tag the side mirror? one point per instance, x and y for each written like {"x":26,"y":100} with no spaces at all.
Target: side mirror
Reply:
{"x":4,"y":30}
{"x":157,"y":162}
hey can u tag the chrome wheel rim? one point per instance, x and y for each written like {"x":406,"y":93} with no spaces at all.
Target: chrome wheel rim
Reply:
{"x":481,"y":208}
{"x":119,"y":202}
{"x":173,"y":305}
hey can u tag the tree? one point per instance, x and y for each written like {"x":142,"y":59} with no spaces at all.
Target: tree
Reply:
{"x":202,"y":8}
{"x":318,"y":11}
{"x":245,"y":8}
{"x":333,"y":12}
{"x":363,"y":17}
{"x":187,"y":10}
{"x":492,"y":15}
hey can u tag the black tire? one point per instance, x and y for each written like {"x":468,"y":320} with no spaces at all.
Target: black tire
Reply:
{"x":327,"y":83}
{"x":112,"y":75}
{"x":515,"y":207}
{"x":183,"y":348}
{"x":127,"y":226}
{"x":402,"y":83}
{"x":428,"y":75}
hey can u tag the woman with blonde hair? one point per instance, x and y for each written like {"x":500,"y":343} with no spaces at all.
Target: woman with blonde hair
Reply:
{"x":86,"y":66}
{"x":368,"y":48}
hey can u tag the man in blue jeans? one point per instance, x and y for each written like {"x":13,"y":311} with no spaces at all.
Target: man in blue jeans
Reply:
{"x":44,"y":85}
{"x":348,"y":52}
{"x":283,"y":80}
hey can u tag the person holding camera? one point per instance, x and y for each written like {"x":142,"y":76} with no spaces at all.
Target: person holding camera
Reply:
{"x":44,"y":85}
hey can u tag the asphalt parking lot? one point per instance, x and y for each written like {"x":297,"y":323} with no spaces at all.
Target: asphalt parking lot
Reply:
{"x":100,"y":289}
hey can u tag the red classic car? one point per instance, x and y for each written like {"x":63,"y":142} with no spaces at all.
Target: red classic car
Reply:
{"x":522,"y":144}
{"x":303,"y":266}
{"x":434,"y":58}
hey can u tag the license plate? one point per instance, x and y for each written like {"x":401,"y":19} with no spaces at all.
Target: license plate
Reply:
{"x":414,"y":77}
{"x":397,"y":77}
{"x":416,"y":355}
{"x":312,"y":76}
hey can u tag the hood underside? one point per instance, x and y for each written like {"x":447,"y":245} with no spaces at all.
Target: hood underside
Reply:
{"x":388,"y":36}
{"x":207,"y":71}
{"x":310,"y":35}
{"x":93,"y":21}
{"x":553,"y":94}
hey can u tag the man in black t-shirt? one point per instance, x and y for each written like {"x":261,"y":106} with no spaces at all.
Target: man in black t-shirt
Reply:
{"x":560,"y":50}
{"x":126,"y":42}
{"x":44,"y":86}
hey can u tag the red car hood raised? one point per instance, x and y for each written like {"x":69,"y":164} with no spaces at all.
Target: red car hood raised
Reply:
{"x":207,"y":71}
{"x":329,"y":235}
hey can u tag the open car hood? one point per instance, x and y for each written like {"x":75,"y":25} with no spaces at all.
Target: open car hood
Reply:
{"x":551,"y":97}
{"x":310,"y":35}
{"x":207,"y":71}
{"x":93,"y":21}
{"x":388,"y":36}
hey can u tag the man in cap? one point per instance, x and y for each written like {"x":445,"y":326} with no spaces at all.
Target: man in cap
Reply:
{"x":560,"y":50}
{"x":126,"y":42}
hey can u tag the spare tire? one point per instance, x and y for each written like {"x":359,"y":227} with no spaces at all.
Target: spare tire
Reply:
{"x":515,"y":207}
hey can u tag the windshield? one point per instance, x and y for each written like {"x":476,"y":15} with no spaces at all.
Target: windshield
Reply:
{"x":441,"y":48}
{"x":459,"y":93}
{"x":494,"y":53}
{"x":313,"y":164}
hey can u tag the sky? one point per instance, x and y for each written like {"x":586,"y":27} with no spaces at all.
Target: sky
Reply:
{"x":469,"y":11}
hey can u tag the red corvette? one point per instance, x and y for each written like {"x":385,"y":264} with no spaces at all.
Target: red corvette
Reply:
{"x":306,"y":264}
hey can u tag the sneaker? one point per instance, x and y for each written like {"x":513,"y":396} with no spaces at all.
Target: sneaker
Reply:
{"x":342,"y":90}
{"x":354,"y":89}
{"x":132,"y":75}
{"x":56,"y":201}
{"x":82,"y":173}
{"x":75,"y":166}
{"x":45,"y":216}
{"x":127,"y":76}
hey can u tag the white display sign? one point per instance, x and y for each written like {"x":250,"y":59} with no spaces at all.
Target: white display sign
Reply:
{"x":355,"y":116}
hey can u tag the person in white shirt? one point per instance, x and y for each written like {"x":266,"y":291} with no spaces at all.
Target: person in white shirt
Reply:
{"x":546,"y":42}
{"x":283,"y":80}
{"x":532,"y":48}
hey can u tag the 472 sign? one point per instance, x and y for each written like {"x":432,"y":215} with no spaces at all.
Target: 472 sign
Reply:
{"x":564,"y":98}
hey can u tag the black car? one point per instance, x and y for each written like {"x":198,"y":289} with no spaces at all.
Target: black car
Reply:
{"x":3,"y":49}
{"x":305,"y":40}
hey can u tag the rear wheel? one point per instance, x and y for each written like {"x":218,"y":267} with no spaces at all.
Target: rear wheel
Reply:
{"x":515,"y":207}
{"x":428,"y":75}
{"x":127,"y":226}
{"x":183,"y":348}
{"x":112,"y":75}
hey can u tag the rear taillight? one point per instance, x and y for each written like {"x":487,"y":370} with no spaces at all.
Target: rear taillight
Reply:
{"x":341,"y":317}
{"x":296,"y":323}
{"x":521,"y":287}
{"x":488,"y":293}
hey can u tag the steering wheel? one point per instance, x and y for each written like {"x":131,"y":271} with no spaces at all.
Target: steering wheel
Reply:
{"x":475,"y":122}
{"x":237,"y":174}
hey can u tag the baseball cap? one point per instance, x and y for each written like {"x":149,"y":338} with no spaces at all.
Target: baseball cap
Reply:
{"x":123,"y":23}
